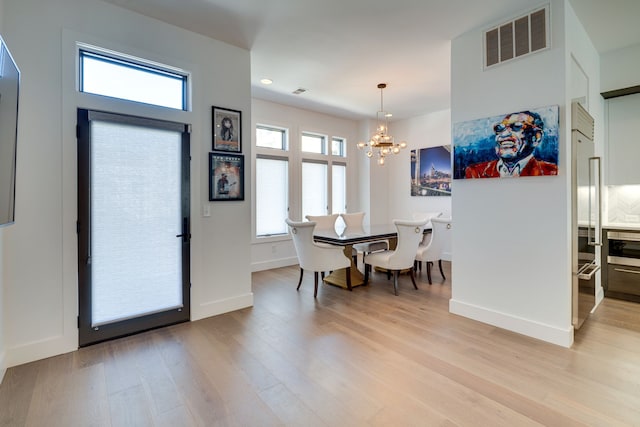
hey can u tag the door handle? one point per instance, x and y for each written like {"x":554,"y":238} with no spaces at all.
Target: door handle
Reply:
{"x":185,"y":230}
{"x":587,"y":271}
{"x":624,"y":270}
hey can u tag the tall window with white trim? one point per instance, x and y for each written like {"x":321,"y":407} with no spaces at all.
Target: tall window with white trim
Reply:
{"x":272,"y":181}
{"x":324,"y":174}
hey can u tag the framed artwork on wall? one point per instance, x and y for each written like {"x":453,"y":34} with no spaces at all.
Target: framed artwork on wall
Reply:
{"x":226,"y":177}
{"x":431,"y":171}
{"x":226,"y":126}
{"x":517,"y":144}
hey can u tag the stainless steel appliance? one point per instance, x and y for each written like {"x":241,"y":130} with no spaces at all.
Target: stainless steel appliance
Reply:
{"x":586,"y":214}
{"x":623,"y":265}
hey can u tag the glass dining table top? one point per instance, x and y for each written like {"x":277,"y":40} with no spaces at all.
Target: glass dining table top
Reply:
{"x":351,"y":235}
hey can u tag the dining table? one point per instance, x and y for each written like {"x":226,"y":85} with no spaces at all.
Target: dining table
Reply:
{"x":349,"y":236}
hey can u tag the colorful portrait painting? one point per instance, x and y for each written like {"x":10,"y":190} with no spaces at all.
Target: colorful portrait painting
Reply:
{"x":431,"y":171}
{"x":516,"y":144}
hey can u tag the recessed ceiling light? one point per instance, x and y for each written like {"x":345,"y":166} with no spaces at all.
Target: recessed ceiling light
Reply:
{"x":266,"y":81}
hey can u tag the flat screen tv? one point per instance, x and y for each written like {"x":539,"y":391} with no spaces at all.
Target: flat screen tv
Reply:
{"x":9,"y":89}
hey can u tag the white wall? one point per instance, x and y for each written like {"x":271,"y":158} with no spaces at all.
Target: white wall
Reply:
{"x":274,"y":252}
{"x":511,"y":239}
{"x":428,"y":130}
{"x":40,"y":252}
{"x":619,"y":68}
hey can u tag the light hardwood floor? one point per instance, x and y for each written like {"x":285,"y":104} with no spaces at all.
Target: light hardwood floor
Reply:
{"x":355,"y":358}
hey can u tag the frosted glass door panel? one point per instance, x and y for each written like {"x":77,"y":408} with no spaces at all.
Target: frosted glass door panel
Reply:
{"x":135,"y":218}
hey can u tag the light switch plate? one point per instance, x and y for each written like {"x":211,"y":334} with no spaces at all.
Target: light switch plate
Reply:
{"x":206,"y":210}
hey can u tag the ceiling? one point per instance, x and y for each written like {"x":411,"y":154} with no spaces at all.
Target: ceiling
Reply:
{"x":339,"y":50}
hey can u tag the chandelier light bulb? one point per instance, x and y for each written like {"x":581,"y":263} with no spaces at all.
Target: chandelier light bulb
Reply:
{"x":396,"y":149}
{"x":381,"y":161}
{"x":369,"y":153}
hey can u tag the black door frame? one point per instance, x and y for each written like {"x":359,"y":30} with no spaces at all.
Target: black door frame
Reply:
{"x":87,"y":333}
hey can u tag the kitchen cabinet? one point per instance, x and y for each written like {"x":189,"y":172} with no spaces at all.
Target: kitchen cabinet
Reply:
{"x":623,"y":140}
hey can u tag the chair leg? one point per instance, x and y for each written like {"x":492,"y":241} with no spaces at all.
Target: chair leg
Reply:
{"x":441,"y":272}
{"x":366,"y":274}
{"x":355,"y":260}
{"x":348,"y":272}
{"x":315,"y":284}
{"x":413,"y":278}
{"x":429,"y":271}
{"x":300,"y":281}
{"x":322,"y":275}
{"x":396,"y":273}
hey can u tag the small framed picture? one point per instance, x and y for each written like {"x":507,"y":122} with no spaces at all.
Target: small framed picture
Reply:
{"x":226,"y":177}
{"x":226,"y":125}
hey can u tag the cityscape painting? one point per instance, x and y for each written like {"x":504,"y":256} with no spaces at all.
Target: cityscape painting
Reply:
{"x":431,"y":171}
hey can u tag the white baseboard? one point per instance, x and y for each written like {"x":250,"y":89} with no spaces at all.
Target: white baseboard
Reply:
{"x":36,"y":350}
{"x":275,"y":263}
{"x":551,"y":334}
{"x":213,"y":308}
{"x":3,"y":367}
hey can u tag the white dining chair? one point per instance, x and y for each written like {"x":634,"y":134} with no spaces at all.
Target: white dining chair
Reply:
{"x":440,"y":233}
{"x":426,"y":215}
{"x":355,"y":220}
{"x":324,"y":221}
{"x":403,"y":256}
{"x":316,"y":257}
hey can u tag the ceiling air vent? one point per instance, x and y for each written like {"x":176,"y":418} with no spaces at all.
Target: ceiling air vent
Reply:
{"x":519,"y":37}
{"x":299,"y":91}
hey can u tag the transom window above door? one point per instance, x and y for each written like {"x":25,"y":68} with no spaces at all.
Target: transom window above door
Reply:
{"x":133,"y":79}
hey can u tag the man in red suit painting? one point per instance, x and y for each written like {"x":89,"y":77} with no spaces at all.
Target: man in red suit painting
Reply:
{"x":517,"y":136}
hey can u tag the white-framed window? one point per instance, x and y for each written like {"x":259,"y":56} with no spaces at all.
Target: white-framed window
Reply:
{"x":324,"y":176}
{"x":313,"y":143}
{"x":338,"y":147}
{"x":298,"y":175}
{"x":272,"y":195}
{"x":272,"y":181}
{"x":338,"y":187}
{"x":122,"y":76}
{"x":315,"y":189}
{"x":271,"y":137}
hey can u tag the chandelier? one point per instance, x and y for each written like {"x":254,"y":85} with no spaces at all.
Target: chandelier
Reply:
{"x":381,"y":143}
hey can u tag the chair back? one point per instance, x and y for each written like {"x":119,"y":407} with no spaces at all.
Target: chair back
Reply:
{"x":426,"y":215}
{"x":409,"y":237}
{"x":324,"y":221}
{"x":440,"y":235}
{"x":311,"y":256}
{"x":353,"y":220}
{"x":302,"y":236}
